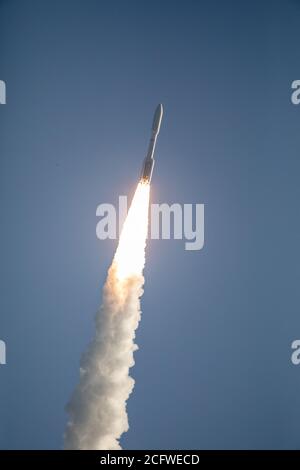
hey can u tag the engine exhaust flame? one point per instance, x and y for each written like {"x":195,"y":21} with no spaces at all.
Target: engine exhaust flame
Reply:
{"x":97,"y":409}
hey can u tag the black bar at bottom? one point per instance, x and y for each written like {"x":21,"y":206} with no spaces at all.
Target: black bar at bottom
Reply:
{"x":132,"y":459}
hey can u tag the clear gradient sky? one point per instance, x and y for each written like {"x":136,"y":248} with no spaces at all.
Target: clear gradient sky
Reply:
{"x":83,"y":78}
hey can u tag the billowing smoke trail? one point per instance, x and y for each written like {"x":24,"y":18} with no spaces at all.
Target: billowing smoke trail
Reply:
{"x":97,"y":409}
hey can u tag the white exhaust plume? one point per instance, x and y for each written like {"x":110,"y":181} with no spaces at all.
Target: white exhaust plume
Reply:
{"x":97,"y":409}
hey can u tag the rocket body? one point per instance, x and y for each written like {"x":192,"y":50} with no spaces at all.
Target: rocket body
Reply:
{"x":149,"y":161}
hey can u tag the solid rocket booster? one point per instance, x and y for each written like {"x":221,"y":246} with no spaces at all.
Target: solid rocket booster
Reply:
{"x":149,"y":161}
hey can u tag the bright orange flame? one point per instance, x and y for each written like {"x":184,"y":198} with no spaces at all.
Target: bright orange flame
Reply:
{"x":130,"y":255}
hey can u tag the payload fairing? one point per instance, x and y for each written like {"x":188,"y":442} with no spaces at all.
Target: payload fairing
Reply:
{"x":149,"y":161}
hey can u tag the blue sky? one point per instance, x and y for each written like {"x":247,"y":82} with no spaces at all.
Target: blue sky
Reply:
{"x":83,"y":78}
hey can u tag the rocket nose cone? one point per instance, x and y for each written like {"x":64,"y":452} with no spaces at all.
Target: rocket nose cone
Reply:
{"x":157,"y":118}
{"x":159,"y":108}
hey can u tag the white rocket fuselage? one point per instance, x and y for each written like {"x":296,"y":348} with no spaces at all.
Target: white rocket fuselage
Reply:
{"x":149,"y":161}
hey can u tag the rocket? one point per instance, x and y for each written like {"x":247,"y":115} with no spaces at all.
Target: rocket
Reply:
{"x":149,"y":161}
